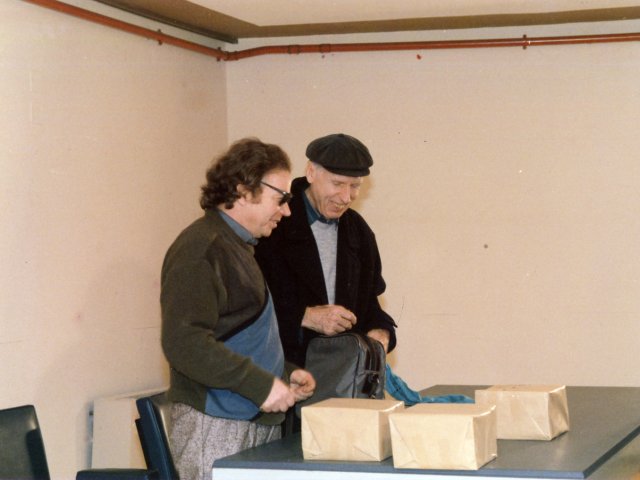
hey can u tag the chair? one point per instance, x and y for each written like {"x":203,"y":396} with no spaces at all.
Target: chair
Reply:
{"x":153,"y":429}
{"x":22,"y":453}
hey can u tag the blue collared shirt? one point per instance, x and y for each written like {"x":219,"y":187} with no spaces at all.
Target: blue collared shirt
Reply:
{"x":238,"y":229}
{"x":259,"y":341}
{"x":313,"y":215}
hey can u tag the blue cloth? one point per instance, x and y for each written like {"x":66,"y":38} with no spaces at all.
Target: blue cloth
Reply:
{"x":260,"y":341}
{"x":398,"y":389}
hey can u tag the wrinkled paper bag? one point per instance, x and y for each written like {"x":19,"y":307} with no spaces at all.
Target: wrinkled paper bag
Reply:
{"x":444,"y":436}
{"x":352,"y":429}
{"x":528,"y":412}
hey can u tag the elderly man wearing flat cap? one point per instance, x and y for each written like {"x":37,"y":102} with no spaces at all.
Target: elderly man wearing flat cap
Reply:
{"x":322,"y":263}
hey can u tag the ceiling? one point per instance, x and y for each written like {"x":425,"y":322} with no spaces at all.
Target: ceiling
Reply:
{"x":231,"y":20}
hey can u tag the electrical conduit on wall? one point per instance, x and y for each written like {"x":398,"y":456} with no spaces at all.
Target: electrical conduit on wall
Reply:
{"x":220,"y":54}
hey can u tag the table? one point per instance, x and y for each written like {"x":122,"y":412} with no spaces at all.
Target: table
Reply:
{"x":603,"y":444}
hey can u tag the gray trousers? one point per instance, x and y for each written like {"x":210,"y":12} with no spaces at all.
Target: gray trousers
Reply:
{"x":198,"y":439}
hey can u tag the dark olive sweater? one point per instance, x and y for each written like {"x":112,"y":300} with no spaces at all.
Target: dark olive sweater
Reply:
{"x":211,"y":283}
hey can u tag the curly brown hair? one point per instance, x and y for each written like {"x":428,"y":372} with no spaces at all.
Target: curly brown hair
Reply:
{"x":245,"y":163}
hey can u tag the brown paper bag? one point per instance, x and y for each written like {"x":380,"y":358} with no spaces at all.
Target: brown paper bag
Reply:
{"x":444,"y":436}
{"x":528,"y":412}
{"x":348,"y":429}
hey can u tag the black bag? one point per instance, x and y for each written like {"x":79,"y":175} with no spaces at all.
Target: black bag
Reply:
{"x":347,"y":365}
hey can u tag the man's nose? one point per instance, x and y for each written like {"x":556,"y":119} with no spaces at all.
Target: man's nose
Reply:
{"x":345,"y":194}
{"x":286,"y":211}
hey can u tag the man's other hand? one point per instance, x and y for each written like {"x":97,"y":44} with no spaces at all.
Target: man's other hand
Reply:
{"x":280,"y":398}
{"x":302,"y":384}
{"x":328,"y":319}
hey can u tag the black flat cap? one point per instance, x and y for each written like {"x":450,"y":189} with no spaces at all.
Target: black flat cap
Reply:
{"x":341,"y":154}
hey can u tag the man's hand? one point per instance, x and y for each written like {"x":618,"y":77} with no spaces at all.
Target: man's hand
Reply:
{"x":302,"y":384}
{"x":280,"y":398}
{"x":382,"y":336}
{"x":328,"y":319}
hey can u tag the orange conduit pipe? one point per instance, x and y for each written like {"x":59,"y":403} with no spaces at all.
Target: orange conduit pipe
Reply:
{"x":523,"y":42}
{"x":220,"y":54}
{"x":127,"y":27}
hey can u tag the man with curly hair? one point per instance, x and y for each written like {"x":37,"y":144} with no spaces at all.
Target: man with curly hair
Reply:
{"x":229,"y":382}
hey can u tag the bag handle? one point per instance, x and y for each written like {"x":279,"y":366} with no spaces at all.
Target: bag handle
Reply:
{"x":373,"y":366}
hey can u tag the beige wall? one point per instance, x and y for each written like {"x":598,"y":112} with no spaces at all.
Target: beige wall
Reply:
{"x":504,"y":195}
{"x":104,"y":139}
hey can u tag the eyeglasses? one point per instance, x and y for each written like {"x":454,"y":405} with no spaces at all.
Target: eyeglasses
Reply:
{"x":286,"y":196}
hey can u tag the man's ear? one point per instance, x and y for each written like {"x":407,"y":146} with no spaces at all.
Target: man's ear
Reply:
{"x":310,"y":171}
{"x":245,"y":194}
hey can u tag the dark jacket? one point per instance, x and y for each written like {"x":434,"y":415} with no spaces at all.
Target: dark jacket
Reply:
{"x":291,"y":264}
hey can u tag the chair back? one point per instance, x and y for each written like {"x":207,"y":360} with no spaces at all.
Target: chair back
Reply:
{"x":153,"y":429}
{"x":22,"y":453}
